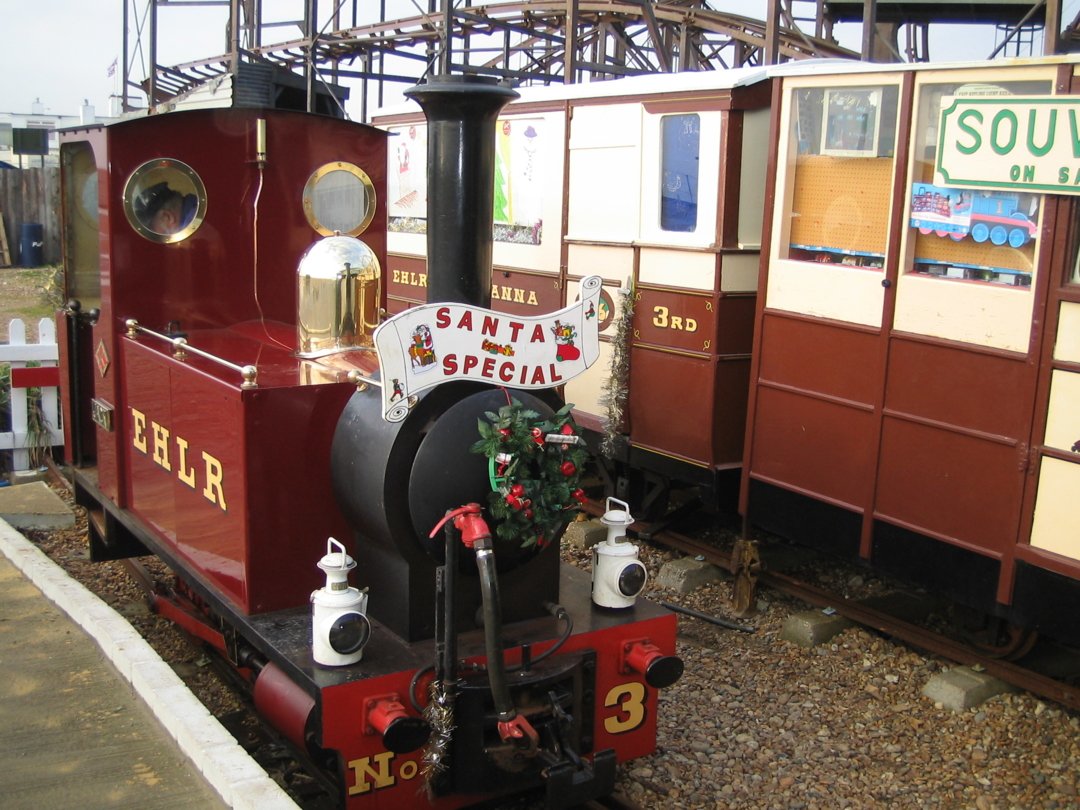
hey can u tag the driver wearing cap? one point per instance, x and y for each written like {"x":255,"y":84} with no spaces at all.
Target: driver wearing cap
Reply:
{"x":164,"y":210}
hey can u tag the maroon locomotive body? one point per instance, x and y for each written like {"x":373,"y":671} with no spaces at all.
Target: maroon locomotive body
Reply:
{"x":222,"y":412}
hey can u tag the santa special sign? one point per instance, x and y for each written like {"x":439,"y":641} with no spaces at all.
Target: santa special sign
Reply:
{"x":1010,"y":142}
{"x":435,"y":343}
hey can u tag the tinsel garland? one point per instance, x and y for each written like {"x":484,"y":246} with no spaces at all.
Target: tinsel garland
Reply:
{"x":615,"y":388}
{"x":536,"y":472}
{"x":439,"y":713}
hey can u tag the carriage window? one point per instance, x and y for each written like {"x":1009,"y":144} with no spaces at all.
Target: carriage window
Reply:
{"x":339,"y":198}
{"x":680,"y":138}
{"x":165,"y":200}
{"x":968,"y":234}
{"x":840,"y":174}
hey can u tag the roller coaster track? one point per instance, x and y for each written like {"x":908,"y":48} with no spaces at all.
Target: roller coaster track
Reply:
{"x":526,"y":42}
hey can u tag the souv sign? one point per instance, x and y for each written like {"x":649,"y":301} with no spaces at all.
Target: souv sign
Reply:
{"x":1010,"y":142}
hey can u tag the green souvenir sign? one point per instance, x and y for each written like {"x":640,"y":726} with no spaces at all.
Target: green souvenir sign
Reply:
{"x":1010,"y":142}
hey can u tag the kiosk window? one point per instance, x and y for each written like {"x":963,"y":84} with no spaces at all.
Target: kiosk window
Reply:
{"x":840,"y":174}
{"x":968,"y":234}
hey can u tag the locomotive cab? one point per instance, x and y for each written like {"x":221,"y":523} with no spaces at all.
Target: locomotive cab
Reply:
{"x":182,"y":329}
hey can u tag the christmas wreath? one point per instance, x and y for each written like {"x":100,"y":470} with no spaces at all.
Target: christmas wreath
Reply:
{"x":535,"y":467}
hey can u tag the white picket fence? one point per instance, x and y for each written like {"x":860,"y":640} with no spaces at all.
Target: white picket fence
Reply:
{"x":18,"y":353}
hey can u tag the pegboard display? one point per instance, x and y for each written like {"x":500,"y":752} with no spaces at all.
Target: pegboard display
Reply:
{"x":983,"y":235}
{"x":931,"y":248}
{"x":841,"y":204}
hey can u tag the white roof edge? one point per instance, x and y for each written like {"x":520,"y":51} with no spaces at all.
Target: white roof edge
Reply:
{"x":651,"y":84}
{"x":810,"y":67}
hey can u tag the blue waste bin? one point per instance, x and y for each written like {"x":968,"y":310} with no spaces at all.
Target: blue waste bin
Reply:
{"x":31,"y":244}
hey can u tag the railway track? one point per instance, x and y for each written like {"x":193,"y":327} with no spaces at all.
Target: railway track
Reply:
{"x":746,"y":567}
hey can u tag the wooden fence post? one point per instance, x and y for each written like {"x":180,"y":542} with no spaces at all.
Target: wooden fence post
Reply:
{"x":17,"y":352}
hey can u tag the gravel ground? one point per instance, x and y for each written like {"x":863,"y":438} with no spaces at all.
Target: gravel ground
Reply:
{"x":759,"y":722}
{"x":755,"y":721}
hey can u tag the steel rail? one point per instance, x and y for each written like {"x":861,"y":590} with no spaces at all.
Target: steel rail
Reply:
{"x":907,"y":632}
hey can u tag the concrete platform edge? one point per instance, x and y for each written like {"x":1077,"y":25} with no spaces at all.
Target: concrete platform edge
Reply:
{"x":225,"y":765}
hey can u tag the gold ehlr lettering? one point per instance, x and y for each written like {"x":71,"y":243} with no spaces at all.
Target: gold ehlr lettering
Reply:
{"x":161,"y":446}
{"x":139,"y":428}
{"x":410,"y":279}
{"x":185,"y":473}
{"x":213,"y":475}
{"x":213,"y":491}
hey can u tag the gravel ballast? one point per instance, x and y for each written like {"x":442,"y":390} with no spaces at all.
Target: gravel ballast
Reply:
{"x":755,"y":721}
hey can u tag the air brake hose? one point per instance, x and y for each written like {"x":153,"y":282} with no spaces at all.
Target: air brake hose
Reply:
{"x":476,"y":535}
{"x":489,"y":587}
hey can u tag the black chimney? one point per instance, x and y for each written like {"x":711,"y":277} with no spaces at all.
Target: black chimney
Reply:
{"x":461,"y":113}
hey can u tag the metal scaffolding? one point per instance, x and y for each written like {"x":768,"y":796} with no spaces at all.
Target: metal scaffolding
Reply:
{"x":531,"y":41}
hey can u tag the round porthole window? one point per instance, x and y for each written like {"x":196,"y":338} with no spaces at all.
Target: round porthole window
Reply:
{"x":165,"y":200}
{"x":339,"y":198}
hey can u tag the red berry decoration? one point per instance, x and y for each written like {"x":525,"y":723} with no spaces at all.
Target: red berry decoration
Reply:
{"x":538,"y":436}
{"x":528,"y":514}
{"x":568,"y":468}
{"x":579,"y":495}
{"x":517,"y":490}
{"x":566,"y":429}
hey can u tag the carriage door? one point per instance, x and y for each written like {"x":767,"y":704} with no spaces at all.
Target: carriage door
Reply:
{"x":818,"y":381}
{"x":961,"y":375}
{"x":82,"y":273}
{"x":1055,"y":520}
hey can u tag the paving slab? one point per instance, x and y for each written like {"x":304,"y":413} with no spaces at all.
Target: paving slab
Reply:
{"x":90,"y":716}
{"x":72,"y":733}
{"x":35,"y":506}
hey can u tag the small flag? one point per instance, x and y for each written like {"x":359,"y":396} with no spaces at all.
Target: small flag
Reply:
{"x":112,"y":68}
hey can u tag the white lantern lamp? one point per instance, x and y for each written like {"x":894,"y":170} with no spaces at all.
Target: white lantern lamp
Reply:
{"x":618,"y":576}
{"x":339,"y":624}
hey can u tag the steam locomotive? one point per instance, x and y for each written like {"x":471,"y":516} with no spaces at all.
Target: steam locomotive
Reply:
{"x":226,"y":407}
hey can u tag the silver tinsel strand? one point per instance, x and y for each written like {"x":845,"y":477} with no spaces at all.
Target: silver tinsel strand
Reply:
{"x":616,"y":386}
{"x":439,"y":714}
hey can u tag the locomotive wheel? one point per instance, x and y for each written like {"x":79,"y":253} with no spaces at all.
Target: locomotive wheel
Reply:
{"x":1014,"y":645}
{"x":995,"y":638}
{"x":999,"y":235}
{"x":980,"y":232}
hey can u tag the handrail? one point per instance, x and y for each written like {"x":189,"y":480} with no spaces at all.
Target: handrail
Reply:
{"x":362,"y":381}
{"x":249,"y":373}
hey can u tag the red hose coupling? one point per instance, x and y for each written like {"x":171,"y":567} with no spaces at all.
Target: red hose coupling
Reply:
{"x":643,"y":657}
{"x":384,"y":714}
{"x":519,"y":729}
{"x":468,"y":520}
